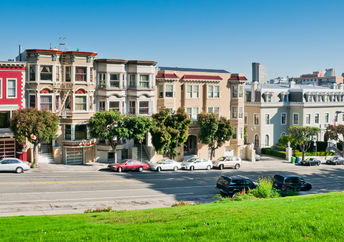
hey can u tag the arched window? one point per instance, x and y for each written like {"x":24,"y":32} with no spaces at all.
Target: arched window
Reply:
{"x":267,"y":140}
{"x":256,"y":141}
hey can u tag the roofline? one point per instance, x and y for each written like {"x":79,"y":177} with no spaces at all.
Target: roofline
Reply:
{"x":167,"y":68}
{"x":111,"y":61}
{"x":142,"y":62}
{"x":61,"y":52}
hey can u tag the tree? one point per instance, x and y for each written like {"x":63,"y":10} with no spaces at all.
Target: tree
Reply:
{"x":35,"y":126}
{"x":110,"y":126}
{"x":214,"y":131}
{"x":303,"y":136}
{"x":138,"y":127}
{"x":335,"y":133}
{"x":284,"y":139}
{"x":170,"y":131}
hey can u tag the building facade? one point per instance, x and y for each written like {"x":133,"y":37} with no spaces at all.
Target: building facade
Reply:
{"x":63,"y":82}
{"x":127,"y":86}
{"x":12,"y":81}
{"x":319,"y":78}
{"x":271,"y":109}
{"x":204,"y":90}
{"x":259,"y":73}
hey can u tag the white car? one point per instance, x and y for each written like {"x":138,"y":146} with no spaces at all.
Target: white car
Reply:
{"x":14,"y":164}
{"x":165,"y":164}
{"x":197,"y":164}
{"x":228,"y":162}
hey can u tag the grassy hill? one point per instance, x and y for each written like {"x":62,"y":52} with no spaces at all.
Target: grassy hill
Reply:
{"x":313,"y":217}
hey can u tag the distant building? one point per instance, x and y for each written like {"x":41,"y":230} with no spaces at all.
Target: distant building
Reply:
{"x":319,"y":78}
{"x":259,"y":73}
{"x":280,"y":80}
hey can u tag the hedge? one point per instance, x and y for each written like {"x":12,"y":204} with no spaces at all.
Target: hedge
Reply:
{"x":299,"y":154}
{"x":272,"y":152}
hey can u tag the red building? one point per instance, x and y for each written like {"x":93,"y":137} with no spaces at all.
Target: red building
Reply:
{"x":12,"y":80}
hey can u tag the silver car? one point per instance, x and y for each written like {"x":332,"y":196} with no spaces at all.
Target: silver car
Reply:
{"x":228,"y":162}
{"x":197,"y":164}
{"x":14,"y":164}
{"x":165,"y":164}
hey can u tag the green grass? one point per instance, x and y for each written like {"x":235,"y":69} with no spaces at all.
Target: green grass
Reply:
{"x":313,"y":218}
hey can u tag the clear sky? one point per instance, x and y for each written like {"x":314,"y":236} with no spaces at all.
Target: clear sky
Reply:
{"x":290,"y":37}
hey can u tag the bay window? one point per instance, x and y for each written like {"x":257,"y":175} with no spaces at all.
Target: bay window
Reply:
{"x":80,"y":103}
{"x":80,"y":132}
{"x":132,"y":107}
{"x":169,"y":90}
{"x":80,"y":74}
{"x":114,"y":80}
{"x":114,"y":106}
{"x":144,"y":81}
{"x":144,"y":107}
{"x":11,"y":88}
{"x":46,"y":73}
{"x":46,"y":102}
{"x":68,"y":132}
{"x":32,"y":73}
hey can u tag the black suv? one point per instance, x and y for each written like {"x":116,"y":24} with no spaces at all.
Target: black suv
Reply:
{"x":291,"y":182}
{"x":310,"y":162}
{"x":230,"y":186}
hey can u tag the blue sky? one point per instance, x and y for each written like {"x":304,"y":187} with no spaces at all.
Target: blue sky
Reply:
{"x":290,"y":37}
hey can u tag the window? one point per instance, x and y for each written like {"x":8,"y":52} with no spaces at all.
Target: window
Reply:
{"x":132,"y":80}
{"x":296,"y":118}
{"x":235,"y":133}
{"x":114,"y":106}
{"x":161,"y":91}
{"x":284,"y":118}
{"x":80,"y":103}
{"x":256,"y":119}
{"x":234,"y":112}
{"x":256,"y":141}
{"x":246,"y":119}
{"x":68,"y":74}
{"x":32,"y":73}
{"x":32,"y":101}
{"x":132,"y":107}
{"x":241,"y":91}
{"x":241,"y":133}
{"x":234,"y":91}
{"x":80,"y":132}
{"x":169,"y":90}
{"x":215,"y":110}
{"x":46,"y":73}
{"x":101,"y":106}
{"x":11,"y":88}
{"x":68,"y":132}
{"x":316,"y":118}
{"x":102,"y":80}
{"x":57,"y":106}
{"x":308,"y":119}
{"x":192,"y":112}
{"x":241,"y":112}
{"x":267,"y":118}
{"x":4,"y":120}
{"x":68,"y":104}
{"x":144,"y":81}
{"x":192,"y":91}
{"x":213,"y":91}
{"x":327,"y":117}
{"x":91,"y":103}
{"x":268,"y":98}
{"x":144,"y":107}
{"x":91,"y":74}
{"x":57,"y":73}
{"x":267,"y":140}
{"x":114,"y":80}
{"x":46,"y":102}
{"x":80,"y":74}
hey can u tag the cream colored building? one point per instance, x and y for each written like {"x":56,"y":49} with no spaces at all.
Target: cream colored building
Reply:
{"x":204,"y":90}
{"x":64,"y":83}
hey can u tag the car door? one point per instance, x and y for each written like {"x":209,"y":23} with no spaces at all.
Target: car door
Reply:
{"x":14,"y":164}
{"x":228,"y":162}
{"x":5,"y":166}
{"x":129,"y":165}
{"x":169,"y":165}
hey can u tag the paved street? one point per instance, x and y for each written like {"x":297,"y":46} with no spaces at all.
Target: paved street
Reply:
{"x":54,"y":189}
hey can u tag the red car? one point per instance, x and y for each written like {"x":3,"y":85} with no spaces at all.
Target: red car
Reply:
{"x":129,"y":165}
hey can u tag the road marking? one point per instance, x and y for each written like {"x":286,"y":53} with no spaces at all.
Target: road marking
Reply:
{"x":64,"y":182}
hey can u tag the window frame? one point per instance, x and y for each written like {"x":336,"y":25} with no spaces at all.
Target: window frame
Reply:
{"x":15,"y":88}
{"x":80,"y":74}
{"x":327,"y":118}
{"x":29,"y":101}
{"x":144,"y":108}
{"x":46,"y":95}
{"x":51,"y":73}
{"x":165,"y":91}
{"x":147,"y":82}
{"x":256,"y":117}
{"x":115,"y":81}
{"x":285,"y":120}
{"x":267,"y":119}
{"x":65,"y":128}
{"x":317,"y":116}
{"x":310,"y":118}
{"x":75,"y":127}
{"x":298,"y":118}
{"x":119,"y":106}
{"x":213,"y":92}
{"x":191,"y":87}
{"x":86,"y":104}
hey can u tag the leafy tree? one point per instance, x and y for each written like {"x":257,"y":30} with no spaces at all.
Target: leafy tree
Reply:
{"x":35,"y":126}
{"x":303,"y":136}
{"x":284,"y":139}
{"x":170,"y":131}
{"x":214,"y":131}
{"x":335,"y":133}
{"x":109,"y":125}
{"x":138,"y":127}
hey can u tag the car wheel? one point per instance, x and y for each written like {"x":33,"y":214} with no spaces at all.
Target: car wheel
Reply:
{"x":192,"y":168}
{"x":237,"y":166}
{"x":140,"y":169}
{"x":119,"y":169}
{"x":221,"y":167}
{"x":158,"y":169}
{"x":175,"y":168}
{"x":19,"y":170}
{"x":208,"y":168}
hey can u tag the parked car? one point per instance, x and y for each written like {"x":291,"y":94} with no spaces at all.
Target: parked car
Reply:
{"x":337,"y":160}
{"x":292,"y":182}
{"x":14,"y":164}
{"x":196,"y":163}
{"x":165,"y":164}
{"x":231,"y":186}
{"x":310,"y":162}
{"x":129,"y":165}
{"x":227,"y":162}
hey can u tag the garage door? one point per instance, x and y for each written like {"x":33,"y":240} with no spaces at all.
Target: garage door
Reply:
{"x":7,"y":148}
{"x":74,"y":156}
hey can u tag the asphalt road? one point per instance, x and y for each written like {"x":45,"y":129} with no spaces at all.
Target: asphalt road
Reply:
{"x":55,"y":189}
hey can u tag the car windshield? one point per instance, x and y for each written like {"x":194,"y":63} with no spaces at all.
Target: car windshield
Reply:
{"x":162,"y":162}
{"x":191,"y":160}
{"x":123,"y":161}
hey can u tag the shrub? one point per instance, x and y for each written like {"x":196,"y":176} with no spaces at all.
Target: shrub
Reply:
{"x":298,"y":153}
{"x":98,"y":210}
{"x":181,"y":204}
{"x":272,"y":152}
{"x":288,"y":193}
{"x":264,"y":189}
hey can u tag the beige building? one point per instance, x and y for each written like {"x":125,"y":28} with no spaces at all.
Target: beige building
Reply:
{"x":64,"y":83}
{"x":204,"y":90}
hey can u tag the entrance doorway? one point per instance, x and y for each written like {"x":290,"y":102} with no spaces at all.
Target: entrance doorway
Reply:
{"x":190,"y":146}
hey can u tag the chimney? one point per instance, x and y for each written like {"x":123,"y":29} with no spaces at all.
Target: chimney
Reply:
{"x":20,"y":52}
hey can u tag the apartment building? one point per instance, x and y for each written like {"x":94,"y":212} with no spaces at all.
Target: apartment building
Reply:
{"x":63,"y":82}
{"x":12,"y":81}
{"x":204,"y":90}
{"x":271,"y":109}
{"x":127,"y":86}
{"x":319,"y":78}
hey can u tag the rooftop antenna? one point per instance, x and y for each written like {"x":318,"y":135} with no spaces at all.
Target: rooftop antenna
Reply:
{"x":62,"y":43}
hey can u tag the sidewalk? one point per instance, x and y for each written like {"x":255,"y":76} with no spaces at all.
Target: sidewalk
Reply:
{"x":44,"y":167}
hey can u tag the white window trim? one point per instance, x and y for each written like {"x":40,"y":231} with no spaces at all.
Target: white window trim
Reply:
{"x":267,"y":145}
{"x":318,"y":118}
{"x":310,"y":119}
{"x":74,"y":74}
{"x":120,"y":79}
{"x":192,"y":97}
{"x":286,"y":118}
{"x":52,"y":101}
{"x":149,"y":80}
{"x":298,"y":119}
{"x":74,"y":102}
{"x":213,"y":97}
{"x":328,"y":121}
{"x":16,"y":90}
{"x":52,"y":74}
{"x":164,"y":91}
{"x":254,"y":114}
{"x":265,"y":119}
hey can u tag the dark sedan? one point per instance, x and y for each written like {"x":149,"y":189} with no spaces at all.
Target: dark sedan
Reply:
{"x":335,"y":161}
{"x":310,"y":162}
{"x":231,"y":186}
{"x":291,"y":182}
